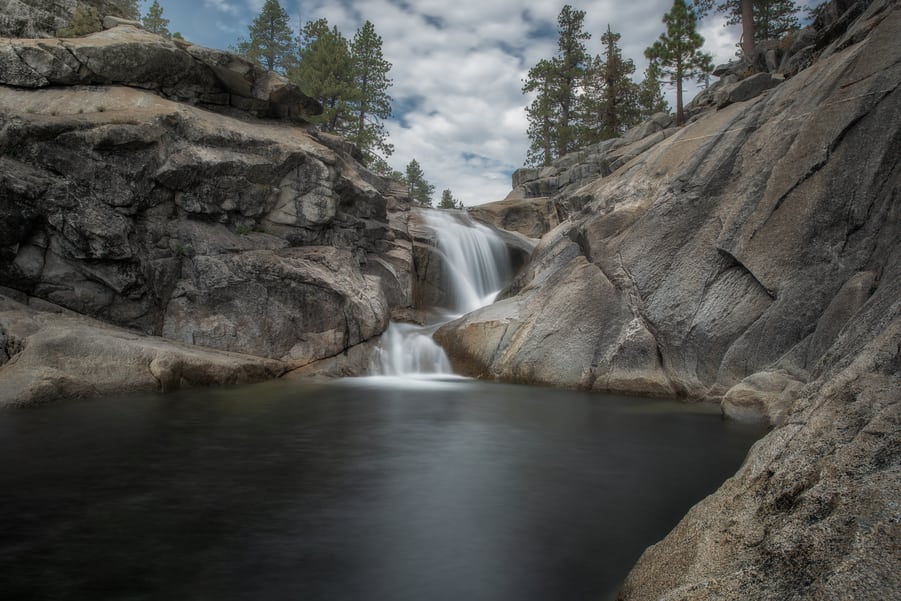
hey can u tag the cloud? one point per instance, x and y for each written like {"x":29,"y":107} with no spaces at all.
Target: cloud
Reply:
{"x":223,"y":6}
{"x":458,"y":67}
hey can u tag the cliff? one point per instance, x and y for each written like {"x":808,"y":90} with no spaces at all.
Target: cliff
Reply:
{"x":177,"y":191}
{"x":751,"y":258}
{"x":721,"y":259}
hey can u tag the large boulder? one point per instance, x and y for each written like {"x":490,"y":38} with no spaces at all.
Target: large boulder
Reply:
{"x":532,"y":217}
{"x":128,"y":55}
{"x":47,"y":353}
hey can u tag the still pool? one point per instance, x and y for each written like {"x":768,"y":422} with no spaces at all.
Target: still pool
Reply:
{"x":368,"y":489}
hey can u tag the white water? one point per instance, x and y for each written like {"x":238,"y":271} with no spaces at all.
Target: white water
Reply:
{"x":476,"y":266}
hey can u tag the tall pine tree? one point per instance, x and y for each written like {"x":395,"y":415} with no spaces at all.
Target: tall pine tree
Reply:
{"x":370,"y":103}
{"x":554,"y":120}
{"x":420,"y":190}
{"x":650,"y":97}
{"x":541,"y":113}
{"x":155,"y":22}
{"x":569,"y":65}
{"x":677,"y":53}
{"x":610,"y":95}
{"x":325,"y":72}
{"x":270,"y":41}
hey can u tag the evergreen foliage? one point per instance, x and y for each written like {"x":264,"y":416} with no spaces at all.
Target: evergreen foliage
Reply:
{"x":677,"y":55}
{"x":541,"y":113}
{"x":325,"y":72}
{"x":610,"y":98}
{"x":448,"y":201}
{"x":86,"y":20}
{"x":270,"y":41}
{"x":554,"y":121}
{"x":570,"y":67}
{"x":128,"y":9}
{"x":650,"y":97}
{"x":370,"y":103}
{"x":350,"y":80}
{"x":155,"y":22}
{"x":770,"y":19}
{"x":420,"y":190}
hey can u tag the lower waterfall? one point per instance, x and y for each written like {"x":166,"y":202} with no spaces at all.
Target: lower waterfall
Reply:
{"x":476,"y":266}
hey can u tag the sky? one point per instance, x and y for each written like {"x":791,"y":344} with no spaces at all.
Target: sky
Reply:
{"x":458,"y":69}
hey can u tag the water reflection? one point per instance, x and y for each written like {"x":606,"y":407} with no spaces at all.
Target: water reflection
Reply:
{"x":361,"y":489}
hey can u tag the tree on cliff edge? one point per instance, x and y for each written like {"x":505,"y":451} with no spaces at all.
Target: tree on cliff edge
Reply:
{"x":155,"y":22}
{"x":610,"y":96}
{"x":270,"y":41}
{"x":420,"y":190}
{"x":325,"y":72}
{"x":371,"y":104}
{"x":677,"y":55}
{"x":554,"y":120}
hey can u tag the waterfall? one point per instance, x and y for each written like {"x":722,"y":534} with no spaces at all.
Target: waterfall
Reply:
{"x":476,"y":266}
{"x":476,"y":260}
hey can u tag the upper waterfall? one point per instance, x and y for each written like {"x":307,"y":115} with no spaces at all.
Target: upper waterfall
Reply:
{"x":476,"y":261}
{"x":475,"y":266}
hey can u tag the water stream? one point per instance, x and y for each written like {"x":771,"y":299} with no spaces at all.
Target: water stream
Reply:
{"x":476,"y":266}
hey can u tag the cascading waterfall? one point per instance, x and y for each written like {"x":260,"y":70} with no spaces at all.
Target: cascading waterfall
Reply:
{"x":476,"y":266}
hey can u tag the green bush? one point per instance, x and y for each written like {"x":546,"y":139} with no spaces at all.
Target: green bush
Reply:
{"x":86,"y":20}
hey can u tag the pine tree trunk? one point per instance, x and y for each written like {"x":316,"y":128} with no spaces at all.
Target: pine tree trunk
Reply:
{"x":747,"y":27}
{"x":680,"y":112}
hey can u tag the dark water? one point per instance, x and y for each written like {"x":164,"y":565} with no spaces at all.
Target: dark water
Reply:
{"x":357,"y":490}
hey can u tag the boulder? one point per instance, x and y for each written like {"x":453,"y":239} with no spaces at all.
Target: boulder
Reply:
{"x":54,"y":355}
{"x":532,"y":217}
{"x":128,"y":55}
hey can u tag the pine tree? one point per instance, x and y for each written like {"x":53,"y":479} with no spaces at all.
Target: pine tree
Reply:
{"x":677,"y":53}
{"x":370,"y":103}
{"x":541,"y":113}
{"x":270,"y":41}
{"x":420,"y":190}
{"x":760,"y":19}
{"x":325,"y":72}
{"x":554,"y":120}
{"x":650,"y":97}
{"x":154,"y":22}
{"x":570,"y":65}
{"x":448,"y":201}
{"x":610,"y":96}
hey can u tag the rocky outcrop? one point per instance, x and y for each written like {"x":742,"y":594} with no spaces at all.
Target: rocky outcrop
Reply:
{"x":43,"y":18}
{"x":178,"y":70}
{"x":730,"y":253}
{"x":48,"y":353}
{"x":141,"y":185}
{"x":813,"y":512}
{"x":532,"y":217}
{"x":752,"y":257}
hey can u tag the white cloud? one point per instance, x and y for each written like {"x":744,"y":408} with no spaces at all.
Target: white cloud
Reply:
{"x":223,"y":6}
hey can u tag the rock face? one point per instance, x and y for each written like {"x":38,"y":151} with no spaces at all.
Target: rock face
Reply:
{"x":139,"y":184}
{"x":753,"y":257}
{"x":741,"y":244}
{"x":50,"y":353}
